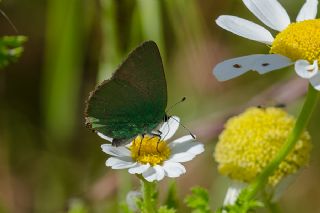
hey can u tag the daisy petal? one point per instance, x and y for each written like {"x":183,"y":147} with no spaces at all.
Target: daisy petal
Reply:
{"x":104,"y":137}
{"x":186,"y":151}
{"x":181,"y":140}
{"x":193,"y":147}
{"x":270,"y":12}
{"x":160,"y":172}
{"x":315,"y":81}
{"x":245,"y":28}
{"x":235,"y":67}
{"x":115,"y":151}
{"x":120,"y":162}
{"x":306,"y":70}
{"x":150,"y":174}
{"x":139,"y":169}
{"x":233,"y":193}
{"x":173,"y":169}
{"x":169,"y":128}
{"x":308,"y":10}
{"x":270,"y":62}
{"x":154,"y":173}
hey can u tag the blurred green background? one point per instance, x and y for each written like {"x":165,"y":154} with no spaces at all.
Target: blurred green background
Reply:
{"x":49,"y":161}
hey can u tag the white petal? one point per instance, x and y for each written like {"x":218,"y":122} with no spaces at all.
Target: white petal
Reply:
{"x":159,"y":171}
{"x":270,"y":62}
{"x":185,"y":151}
{"x":306,"y":70}
{"x":173,"y":169}
{"x":190,"y":146}
{"x":105,"y":137}
{"x":308,"y":10}
{"x":185,"y":156}
{"x":120,"y":162}
{"x":245,"y":28}
{"x":233,"y":192}
{"x":262,"y":63}
{"x":154,"y":173}
{"x":139,"y":169}
{"x":115,"y":151}
{"x":270,"y":12}
{"x":150,"y":174}
{"x":315,"y":81}
{"x":169,"y":128}
{"x":181,"y":157}
{"x":181,"y":140}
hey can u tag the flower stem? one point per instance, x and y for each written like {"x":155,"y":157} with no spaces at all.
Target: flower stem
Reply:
{"x":149,"y":192}
{"x":300,"y":125}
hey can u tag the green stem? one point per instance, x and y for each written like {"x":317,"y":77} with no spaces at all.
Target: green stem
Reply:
{"x":294,"y":136}
{"x":149,"y":192}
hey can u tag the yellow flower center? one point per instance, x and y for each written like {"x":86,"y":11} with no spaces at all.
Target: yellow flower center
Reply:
{"x":299,"y":41}
{"x":252,"y":139}
{"x":149,"y":149}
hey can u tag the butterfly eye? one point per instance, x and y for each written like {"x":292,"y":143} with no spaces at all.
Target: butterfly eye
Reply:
{"x":237,"y":66}
{"x":265,"y":64}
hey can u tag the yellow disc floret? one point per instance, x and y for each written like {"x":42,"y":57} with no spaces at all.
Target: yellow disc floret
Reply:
{"x":149,"y":149}
{"x":299,"y":41}
{"x":252,"y":139}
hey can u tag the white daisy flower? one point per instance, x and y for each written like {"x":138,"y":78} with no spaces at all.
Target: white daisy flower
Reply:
{"x":152,"y":156}
{"x":296,"y":43}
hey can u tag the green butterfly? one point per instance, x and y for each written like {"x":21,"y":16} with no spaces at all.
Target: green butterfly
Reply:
{"x":133,"y":101}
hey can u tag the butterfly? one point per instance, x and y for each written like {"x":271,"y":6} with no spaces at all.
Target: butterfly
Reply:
{"x":261,"y":63}
{"x":133,"y":101}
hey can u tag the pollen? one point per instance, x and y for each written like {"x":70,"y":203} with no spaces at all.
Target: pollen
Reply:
{"x":252,"y":139}
{"x":299,"y":41}
{"x":149,"y":149}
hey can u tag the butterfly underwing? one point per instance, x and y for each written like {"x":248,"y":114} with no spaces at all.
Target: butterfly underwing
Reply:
{"x":133,"y":100}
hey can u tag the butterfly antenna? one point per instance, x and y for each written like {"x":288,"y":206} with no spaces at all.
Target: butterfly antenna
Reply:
{"x":192,"y":135}
{"x":9,"y":21}
{"x":172,"y":106}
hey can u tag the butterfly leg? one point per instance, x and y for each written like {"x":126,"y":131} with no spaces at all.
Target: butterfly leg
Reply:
{"x":141,"y":143}
{"x":159,"y":139}
{"x":158,"y":135}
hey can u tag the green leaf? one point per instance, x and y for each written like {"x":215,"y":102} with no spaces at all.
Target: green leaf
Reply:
{"x":198,"y":200}
{"x":10,"y":49}
{"x":165,"y":209}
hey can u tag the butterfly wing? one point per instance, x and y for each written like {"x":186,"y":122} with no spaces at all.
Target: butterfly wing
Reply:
{"x":134,"y":100}
{"x":261,"y":63}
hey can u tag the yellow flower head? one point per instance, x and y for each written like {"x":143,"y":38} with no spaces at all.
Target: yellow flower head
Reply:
{"x":252,"y":139}
{"x":299,"y":41}
{"x":149,"y":149}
